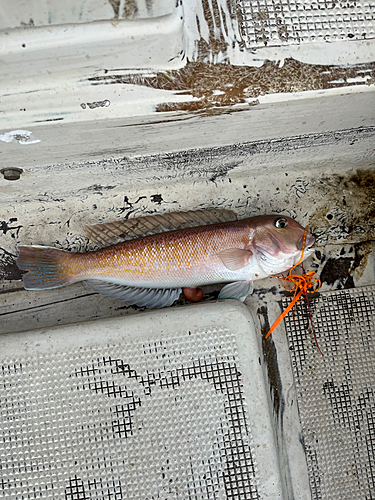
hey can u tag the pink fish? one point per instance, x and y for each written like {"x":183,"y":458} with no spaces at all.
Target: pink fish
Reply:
{"x":147,"y":261}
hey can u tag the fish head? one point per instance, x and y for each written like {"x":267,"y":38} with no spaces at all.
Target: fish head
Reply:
{"x":278,"y":241}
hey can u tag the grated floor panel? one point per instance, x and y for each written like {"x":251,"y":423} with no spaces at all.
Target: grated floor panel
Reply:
{"x":270,"y":23}
{"x":336,"y":393}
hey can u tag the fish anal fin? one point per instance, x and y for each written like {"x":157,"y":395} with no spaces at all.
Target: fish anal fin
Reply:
{"x":118,"y":231}
{"x":235,"y":258}
{"x":142,"y":297}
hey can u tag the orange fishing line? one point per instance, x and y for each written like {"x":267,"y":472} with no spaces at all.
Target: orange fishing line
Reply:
{"x":301,"y":285}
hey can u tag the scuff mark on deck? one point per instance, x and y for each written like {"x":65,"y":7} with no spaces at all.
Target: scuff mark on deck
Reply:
{"x":20,"y":136}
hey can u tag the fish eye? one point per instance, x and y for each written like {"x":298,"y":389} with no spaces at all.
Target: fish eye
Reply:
{"x":281,"y":223}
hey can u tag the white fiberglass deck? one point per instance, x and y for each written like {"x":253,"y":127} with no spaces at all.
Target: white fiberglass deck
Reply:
{"x":156,"y":406}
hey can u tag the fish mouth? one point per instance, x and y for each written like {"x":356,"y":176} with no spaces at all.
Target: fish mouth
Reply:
{"x":310,"y":240}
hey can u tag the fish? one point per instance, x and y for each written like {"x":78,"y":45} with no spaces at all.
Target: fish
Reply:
{"x":148,"y":261}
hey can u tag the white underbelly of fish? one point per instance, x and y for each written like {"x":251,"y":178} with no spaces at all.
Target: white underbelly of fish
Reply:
{"x":189,"y":277}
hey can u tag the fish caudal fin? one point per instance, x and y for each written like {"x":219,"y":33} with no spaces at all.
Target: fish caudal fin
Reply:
{"x":45,"y":265}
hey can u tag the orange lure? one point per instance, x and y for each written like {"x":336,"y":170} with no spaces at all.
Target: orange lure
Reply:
{"x":302,"y":284}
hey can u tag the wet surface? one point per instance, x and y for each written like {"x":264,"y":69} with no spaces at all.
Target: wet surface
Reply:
{"x":346,"y":219}
{"x":349,"y":209}
{"x":270,"y":359}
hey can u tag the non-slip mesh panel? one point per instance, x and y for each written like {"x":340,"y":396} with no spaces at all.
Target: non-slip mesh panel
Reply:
{"x":336,"y":393}
{"x":284,"y":22}
{"x":155,"y":420}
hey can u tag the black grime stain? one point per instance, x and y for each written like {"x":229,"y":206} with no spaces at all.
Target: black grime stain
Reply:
{"x":270,"y":358}
{"x":8,"y":267}
{"x":338,"y":270}
{"x":156,"y":198}
{"x":9,"y":271}
{"x":5,"y":227}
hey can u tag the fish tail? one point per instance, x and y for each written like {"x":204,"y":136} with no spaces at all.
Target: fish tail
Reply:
{"x":47,"y":267}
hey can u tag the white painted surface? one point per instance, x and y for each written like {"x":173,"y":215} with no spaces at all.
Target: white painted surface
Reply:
{"x":48,"y":70}
{"x":81,"y":102}
{"x":292,"y":458}
{"x":47,"y":15}
{"x":57,"y":61}
{"x":276,"y":116}
{"x":27,"y":14}
{"x":79,"y":49}
{"x":337,"y":53}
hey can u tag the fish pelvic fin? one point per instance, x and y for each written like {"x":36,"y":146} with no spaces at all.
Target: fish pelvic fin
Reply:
{"x":237,"y":290}
{"x":46,"y":266}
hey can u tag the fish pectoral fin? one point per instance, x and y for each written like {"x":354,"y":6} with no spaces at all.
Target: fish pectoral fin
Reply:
{"x":142,"y":297}
{"x":118,"y":231}
{"x":235,"y":258}
{"x":237,"y":290}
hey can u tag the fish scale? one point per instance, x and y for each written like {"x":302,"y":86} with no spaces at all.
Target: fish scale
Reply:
{"x":178,"y":258}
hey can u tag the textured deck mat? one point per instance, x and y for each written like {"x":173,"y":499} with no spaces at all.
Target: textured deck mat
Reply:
{"x":336,"y":393}
{"x":113,"y":417}
{"x":270,"y":23}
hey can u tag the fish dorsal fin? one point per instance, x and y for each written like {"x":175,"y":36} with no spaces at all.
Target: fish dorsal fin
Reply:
{"x":118,"y":231}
